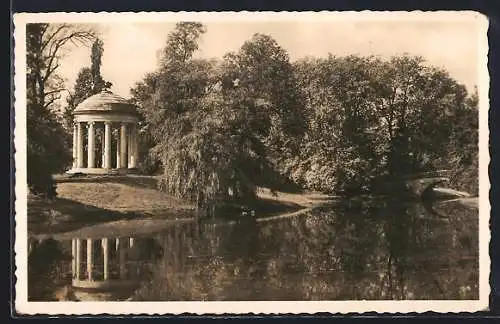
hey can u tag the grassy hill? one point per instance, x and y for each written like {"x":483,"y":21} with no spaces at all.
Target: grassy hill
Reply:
{"x":87,"y":200}
{"x":90,"y":201}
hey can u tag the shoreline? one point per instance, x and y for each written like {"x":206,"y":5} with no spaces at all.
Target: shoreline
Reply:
{"x":140,"y":225}
{"x":135,"y":203}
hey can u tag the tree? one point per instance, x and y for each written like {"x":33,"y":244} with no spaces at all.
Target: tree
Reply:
{"x":421,"y":108}
{"x":142,"y":98}
{"x":261,"y":74}
{"x":205,"y":134}
{"x":337,"y":153}
{"x":48,"y":144}
{"x":98,"y":83}
{"x":371,"y":121}
{"x":167,"y":100}
{"x":45,"y":45}
{"x":88,"y":83}
{"x":182,"y":43}
{"x":463,"y":149}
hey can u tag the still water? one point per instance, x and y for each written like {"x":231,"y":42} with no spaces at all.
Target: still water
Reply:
{"x":375,"y":250}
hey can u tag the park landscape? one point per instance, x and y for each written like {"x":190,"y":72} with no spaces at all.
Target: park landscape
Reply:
{"x":255,"y":176}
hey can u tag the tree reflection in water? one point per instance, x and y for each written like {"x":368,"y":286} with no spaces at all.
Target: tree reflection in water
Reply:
{"x":381,"y":249}
{"x":362,"y":249}
{"x":48,"y":265}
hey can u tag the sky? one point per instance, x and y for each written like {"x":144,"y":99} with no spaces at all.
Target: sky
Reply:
{"x":130,"y":49}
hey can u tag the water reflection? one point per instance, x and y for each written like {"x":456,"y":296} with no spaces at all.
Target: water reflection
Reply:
{"x":382,"y":249}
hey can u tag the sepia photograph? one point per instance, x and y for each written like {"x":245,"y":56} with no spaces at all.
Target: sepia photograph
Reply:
{"x":251,"y":162}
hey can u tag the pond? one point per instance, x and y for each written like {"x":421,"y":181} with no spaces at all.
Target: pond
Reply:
{"x":361,"y":249}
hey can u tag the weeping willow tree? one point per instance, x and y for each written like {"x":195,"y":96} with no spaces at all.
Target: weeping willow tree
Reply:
{"x":220,"y":128}
{"x":201,"y":137}
{"x":212,"y":162}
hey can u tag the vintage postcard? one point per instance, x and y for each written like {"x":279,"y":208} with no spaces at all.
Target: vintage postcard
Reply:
{"x":251,"y":162}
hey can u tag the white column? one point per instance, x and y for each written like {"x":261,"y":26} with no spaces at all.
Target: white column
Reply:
{"x":121,"y":259}
{"x":132,"y":147}
{"x":89,"y":259}
{"x":103,"y":149}
{"x":107,"y":145}
{"x":131,"y":242}
{"x":80,"y":145}
{"x":106,"y":257}
{"x":91,"y":146}
{"x":118,"y":153}
{"x":78,"y":257}
{"x":123,"y":146}
{"x":135,"y":146}
{"x":73,"y":257}
{"x":75,"y":146}
{"x":129,"y":146}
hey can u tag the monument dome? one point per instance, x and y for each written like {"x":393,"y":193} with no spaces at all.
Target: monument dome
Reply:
{"x":105,"y":101}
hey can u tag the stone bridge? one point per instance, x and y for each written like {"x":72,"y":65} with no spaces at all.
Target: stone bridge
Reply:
{"x":419,"y":183}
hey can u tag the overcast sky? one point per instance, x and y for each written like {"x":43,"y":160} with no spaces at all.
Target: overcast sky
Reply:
{"x":130,"y":49}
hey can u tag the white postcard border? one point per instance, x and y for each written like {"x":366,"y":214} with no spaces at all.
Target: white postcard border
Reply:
{"x":22,"y":306}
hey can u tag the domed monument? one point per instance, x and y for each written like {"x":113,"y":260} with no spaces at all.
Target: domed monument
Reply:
{"x":110,"y":120}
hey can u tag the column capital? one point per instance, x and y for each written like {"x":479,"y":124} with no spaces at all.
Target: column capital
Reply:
{"x":91,"y":122}
{"x":108,"y":122}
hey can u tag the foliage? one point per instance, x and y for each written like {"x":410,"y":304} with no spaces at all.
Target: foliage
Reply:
{"x":337,"y":124}
{"x":142,"y":98}
{"x":209,"y":125}
{"x":261,"y":76}
{"x":47,"y":149}
{"x":47,"y":142}
{"x":89,"y":82}
{"x":463,"y":148}
{"x":361,"y":250}
{"x":371,"y":119}
{"x":47,"y":267}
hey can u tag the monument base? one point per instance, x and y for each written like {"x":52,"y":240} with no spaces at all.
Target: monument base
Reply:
{"x":102,"y":284}
{"x":102,"y":171}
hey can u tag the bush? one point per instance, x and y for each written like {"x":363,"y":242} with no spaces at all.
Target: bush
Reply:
{"x":48,"y":150}
{"x":40,"y":180}
{"x":466,"y":178}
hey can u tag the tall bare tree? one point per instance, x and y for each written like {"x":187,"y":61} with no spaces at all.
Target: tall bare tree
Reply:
{"x":47,"y":141}
{"x":46,"y":44}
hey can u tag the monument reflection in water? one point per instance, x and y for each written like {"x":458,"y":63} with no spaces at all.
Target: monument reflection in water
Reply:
{"x":101,"y":263}
{"x":110,"y":267}
{"x":376,"y":250}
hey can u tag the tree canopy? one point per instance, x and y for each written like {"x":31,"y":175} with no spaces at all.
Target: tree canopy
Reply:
{"x":221,"y":128}
{"x":371,"y":119}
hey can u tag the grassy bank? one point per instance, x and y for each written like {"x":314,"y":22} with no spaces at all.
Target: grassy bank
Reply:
{"x":87,"y":201}
{"x":95,"y":204}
